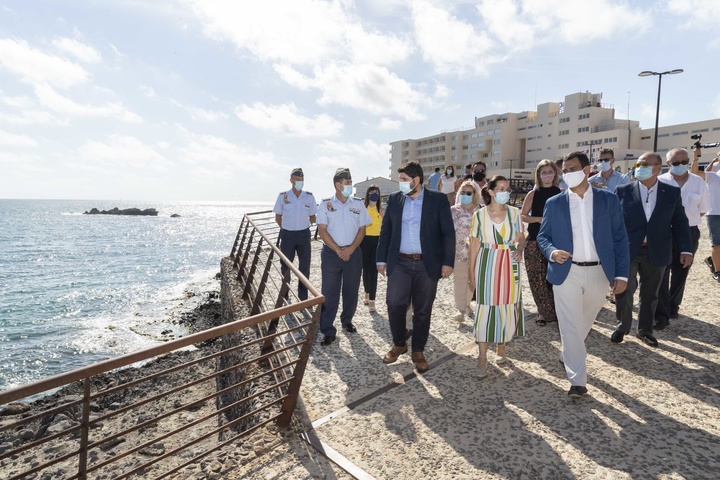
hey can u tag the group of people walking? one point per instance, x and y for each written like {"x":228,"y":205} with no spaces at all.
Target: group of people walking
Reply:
{"x":580,"y":241}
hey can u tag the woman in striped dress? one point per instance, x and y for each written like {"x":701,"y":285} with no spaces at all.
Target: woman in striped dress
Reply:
{"x":497,"y":241}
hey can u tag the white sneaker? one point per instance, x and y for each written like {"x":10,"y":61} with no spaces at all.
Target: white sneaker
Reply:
{"x":459,"y":317}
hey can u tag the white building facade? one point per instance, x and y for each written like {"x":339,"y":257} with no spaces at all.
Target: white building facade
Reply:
{"x":512,"y":144}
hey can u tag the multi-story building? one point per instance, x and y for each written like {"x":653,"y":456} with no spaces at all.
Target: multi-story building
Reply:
{"x":513,"y":143}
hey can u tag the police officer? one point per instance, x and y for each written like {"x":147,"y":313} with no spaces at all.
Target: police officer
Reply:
{"x":341,"y":220}
{"x":294,"y":212}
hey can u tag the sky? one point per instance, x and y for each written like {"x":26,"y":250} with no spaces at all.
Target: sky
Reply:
{"x":209,"y":100}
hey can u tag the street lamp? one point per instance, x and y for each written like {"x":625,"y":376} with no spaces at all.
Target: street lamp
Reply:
{"x":648,"y":73}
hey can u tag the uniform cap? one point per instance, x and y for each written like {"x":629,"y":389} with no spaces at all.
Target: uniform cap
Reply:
{"x":342,"y":174}
{"x":297,"y":171}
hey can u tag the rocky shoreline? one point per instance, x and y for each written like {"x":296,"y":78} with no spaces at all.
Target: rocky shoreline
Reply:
{"x":150,"y":212}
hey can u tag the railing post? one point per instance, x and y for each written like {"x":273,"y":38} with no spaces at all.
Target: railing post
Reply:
{"x":262,"y":285}
{"x":84,"y":431}
{"x":289,"y":403}
{"x":253,"y":268}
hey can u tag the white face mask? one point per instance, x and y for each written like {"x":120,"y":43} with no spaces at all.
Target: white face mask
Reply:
{"x":573,"y":179}
{"x":605,"y":166}
{"x":405,"y":187}
{"x":299,"y":185}
{"x":347,"y":190}
{"x":502,"y":197}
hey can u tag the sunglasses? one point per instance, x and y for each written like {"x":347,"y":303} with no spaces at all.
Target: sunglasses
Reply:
{"x":682,"y":162}
{"x":467,"y":194}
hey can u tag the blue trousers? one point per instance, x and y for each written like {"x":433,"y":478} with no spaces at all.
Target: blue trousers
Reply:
{"x":409,"y":284}
{"x":339,"y":276}
{"x":297,"y":241}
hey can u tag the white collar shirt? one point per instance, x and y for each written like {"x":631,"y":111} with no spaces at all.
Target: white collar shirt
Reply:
{"x":581,"y":219}
{"x":694,"y":193}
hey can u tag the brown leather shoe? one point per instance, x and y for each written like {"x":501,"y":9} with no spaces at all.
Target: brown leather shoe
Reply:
{"x":394,"y":353}
{"x":420,"y":363}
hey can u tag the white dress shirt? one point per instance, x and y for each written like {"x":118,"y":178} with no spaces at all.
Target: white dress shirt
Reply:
{"x":581,"y":219}
{"x":695,"y":197}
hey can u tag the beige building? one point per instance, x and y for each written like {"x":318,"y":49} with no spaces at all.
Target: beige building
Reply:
{"x":512,"y":144}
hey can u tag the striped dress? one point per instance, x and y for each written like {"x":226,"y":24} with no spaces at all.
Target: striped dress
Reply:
{"x":499,"y":312}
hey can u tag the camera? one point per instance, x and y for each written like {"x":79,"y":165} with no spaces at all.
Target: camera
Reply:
{"x":697,"y":137}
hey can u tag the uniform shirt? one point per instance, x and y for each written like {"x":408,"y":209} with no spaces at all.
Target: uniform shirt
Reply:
{"x":295,"y":211}
{"x":695,"y":197}
{"x":616,"y":179}
{"x":343,"y":220}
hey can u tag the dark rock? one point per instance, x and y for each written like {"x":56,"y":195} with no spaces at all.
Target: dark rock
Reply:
{"x":127,"y":211}
{"x":175,"y":215}
{"x":15,"y":408}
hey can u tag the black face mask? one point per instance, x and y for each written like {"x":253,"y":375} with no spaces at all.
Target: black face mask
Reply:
{"x":478,"y":176}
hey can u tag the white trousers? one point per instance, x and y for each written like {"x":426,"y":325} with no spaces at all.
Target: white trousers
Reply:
{"x":578,"y":300}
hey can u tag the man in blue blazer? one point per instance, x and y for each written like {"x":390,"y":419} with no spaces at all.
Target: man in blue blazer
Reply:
{"x":583,"y":237}
{"x":415,"y":249}
{"x":654,"y":216}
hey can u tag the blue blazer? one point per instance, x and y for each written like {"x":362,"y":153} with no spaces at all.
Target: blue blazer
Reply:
{"x":437,"y":233}
{"x":611,"y":241}
{"x":667,"y":223}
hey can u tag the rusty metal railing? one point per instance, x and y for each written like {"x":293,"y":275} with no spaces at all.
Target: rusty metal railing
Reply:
{"x":127,"y":417}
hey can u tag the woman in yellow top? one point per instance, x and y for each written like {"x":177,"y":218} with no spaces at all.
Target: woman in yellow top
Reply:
{"x":369,"y":245}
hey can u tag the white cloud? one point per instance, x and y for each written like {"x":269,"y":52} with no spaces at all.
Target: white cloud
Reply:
{"x":695,"y":13}
{"x":14,"y":140}
{"x":286,"y":119}
{"x":297,"y":32}
{"x":79,"y":50}
{"x":389,"y":124}
{"x":148,"y":91}
{"x":34,"y":66}
{"x":122,"y":151}
{"x":30,"y":117}
{"x":49,"y":98}
{"x":207,"y":115}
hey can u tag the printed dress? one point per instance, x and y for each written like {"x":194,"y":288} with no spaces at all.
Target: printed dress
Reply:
{"x":499,"y":313}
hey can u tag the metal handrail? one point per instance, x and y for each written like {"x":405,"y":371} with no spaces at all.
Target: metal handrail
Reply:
{"x":255,"y":252}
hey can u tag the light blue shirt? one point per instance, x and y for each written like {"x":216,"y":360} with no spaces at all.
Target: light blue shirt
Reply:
{"x":295,"y":211}
{"x":434,"y":180}
{"x":343,"y":220}
{"x":410,"y":231}
{"x":615,"y":180}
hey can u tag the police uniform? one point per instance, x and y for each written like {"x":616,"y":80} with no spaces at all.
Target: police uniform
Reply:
{"x":343,"y":221}
{"x":295,"y":230}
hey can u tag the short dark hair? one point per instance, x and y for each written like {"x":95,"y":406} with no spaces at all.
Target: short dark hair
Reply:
{"x":469,"y":165}
{"x":480,"y":162}
{"x":607,"y":150}
{"x":412,"y":170}
{"x":437,"y":169}
{"x":490,"y":185}
{"x":582,"y":158}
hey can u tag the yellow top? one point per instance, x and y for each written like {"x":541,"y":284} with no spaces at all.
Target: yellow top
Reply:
{"x":373,"y":230}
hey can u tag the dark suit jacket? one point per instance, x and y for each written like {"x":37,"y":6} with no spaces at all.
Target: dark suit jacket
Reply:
{"x":611,"y":241}
{"x":668,"y":222}
{"x":437,"y":233}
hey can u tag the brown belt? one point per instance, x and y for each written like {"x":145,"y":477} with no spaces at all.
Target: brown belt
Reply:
{"x":413,"y":256}
{"x":644,"y":244}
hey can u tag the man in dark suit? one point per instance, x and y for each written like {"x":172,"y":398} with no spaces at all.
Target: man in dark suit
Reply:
{"x":415,"y":249}
{"x":583,"y":237}
{"x":654,"y":218}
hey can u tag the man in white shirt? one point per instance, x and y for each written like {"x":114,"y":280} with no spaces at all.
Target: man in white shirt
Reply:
{"x":712,"y":179}
{"x":695,"y":199}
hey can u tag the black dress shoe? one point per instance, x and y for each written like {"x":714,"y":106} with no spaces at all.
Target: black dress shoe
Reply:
{"x":648,"y":339}
{"x":709,"y":263}
{"x":660,"y":325}
{"x":327,"y":340}
{"x":350,"y":328}
{"x":674,"y":315}
{"x":577,"y":392}
{"x":617,"y":336}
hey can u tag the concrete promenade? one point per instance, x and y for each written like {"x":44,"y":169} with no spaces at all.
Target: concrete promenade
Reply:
{"x":651,"y":413}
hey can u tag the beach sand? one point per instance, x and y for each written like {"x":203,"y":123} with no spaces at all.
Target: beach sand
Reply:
{"x":650,"y":413}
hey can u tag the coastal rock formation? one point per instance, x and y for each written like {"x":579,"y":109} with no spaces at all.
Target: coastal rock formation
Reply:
{"x":127,"y":211}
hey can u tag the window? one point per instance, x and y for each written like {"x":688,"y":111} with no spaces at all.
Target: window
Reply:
{"x":454,"y":157}
{"x":490,"y":122}
{"x":473,"y":156}
{"x":584,"y":116}
{"x":481,"y":134}
{"x":465,"y":137}
{"x":490,"y":132}
{"x":496,"y":153}
{"x":474,"y":145}
{"x":496,"y":142}
{"x":454,"y":137}
{"x":521,"y":129}
{"x":465,"y":147}
{"x":565,"y":120}
{"x":583,"y":129}
{"x":474,"y":135}
{"x":677,"y":133}
{"x":454,"y":147}
{"x":665,"y":135}
{"x":465,"y":157}
{"x":700,"y":130}
{"x":564,"y":132}
{"x":498,"y":131}
{"x":481,"y":124}
{"x":645,"y":138}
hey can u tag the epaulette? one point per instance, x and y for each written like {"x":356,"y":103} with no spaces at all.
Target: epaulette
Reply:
{"x":309,"y":193}
{"x":283,"y":192}
{"x":326,"y":199}
{"x":359,"y":199}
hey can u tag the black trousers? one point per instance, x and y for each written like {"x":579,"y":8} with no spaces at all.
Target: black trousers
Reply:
{"x":650,"y":278}
{"x":339,"y":276}
{"x":297,"y":241}
{"x":369,"y":265}
{"x":409,"y":284}
{"x":672,"y":287}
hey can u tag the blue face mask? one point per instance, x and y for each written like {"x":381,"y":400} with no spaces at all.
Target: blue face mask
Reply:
{"x":374,"y":197}
{"x":466,"y":199}
{"x":502,"y":197}
{"x":605,"y":166}
{"x":679,"y":169}
{"x":299,"y":185}
{"x":347,"y":190}
{"x":643,"y":173}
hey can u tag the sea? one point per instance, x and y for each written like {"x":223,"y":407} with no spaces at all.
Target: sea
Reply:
{"x":76,"y":289}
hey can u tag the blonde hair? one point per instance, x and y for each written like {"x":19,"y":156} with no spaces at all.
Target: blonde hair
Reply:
{"x":476,"y":192}
{"x":546,"y":163}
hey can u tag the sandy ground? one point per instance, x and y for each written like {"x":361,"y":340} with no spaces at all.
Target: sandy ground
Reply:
{"x":651,"y":412}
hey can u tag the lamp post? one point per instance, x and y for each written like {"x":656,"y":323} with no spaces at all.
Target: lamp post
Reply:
{"x":648,"y":73}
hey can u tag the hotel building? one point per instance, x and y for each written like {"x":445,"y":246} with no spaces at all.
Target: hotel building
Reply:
{"x":512,"y":144}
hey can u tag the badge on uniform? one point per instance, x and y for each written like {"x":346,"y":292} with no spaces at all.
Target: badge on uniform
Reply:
{"x":285,"y":199}
{"x":356,"y":211}
{"x":330,"y":207}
